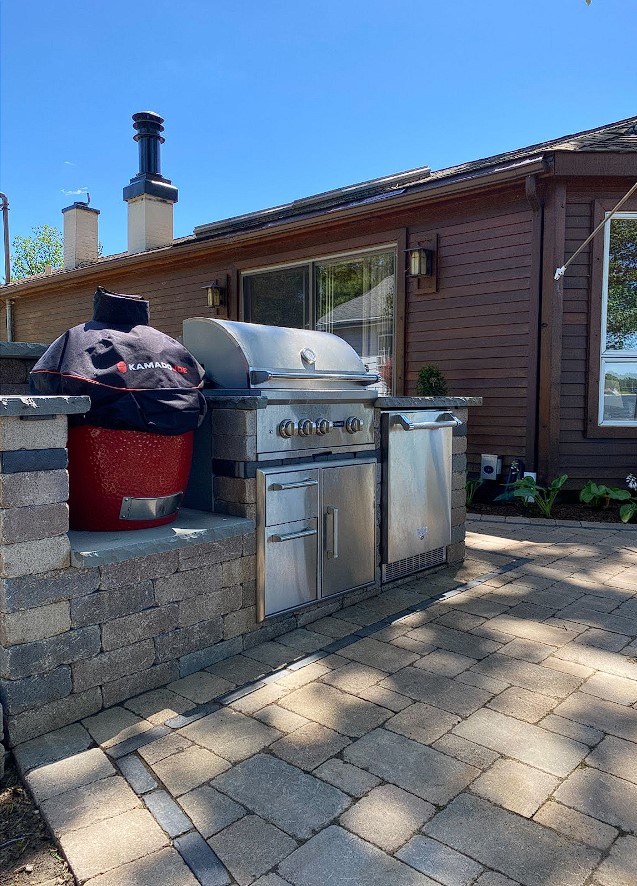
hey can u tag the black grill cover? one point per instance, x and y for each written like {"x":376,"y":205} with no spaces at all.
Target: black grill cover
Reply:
{"x":138,"y":378}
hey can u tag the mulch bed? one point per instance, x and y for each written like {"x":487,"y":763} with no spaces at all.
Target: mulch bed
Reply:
{"x":560,"y":511}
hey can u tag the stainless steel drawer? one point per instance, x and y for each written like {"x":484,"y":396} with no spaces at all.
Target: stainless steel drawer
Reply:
{"x":289,"y":567}
{"x":291,"y":496}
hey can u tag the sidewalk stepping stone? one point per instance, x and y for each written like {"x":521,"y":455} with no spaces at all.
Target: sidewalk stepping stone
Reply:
{"x":442,"y":692}
{"x":515,"y":786}
{"x":185,"y":770}
{"x":309,"y":746}
{"x":52,"y":747}
{"x":387,"y":817}
{"x":167,"y":813}
{"x":230,"y":734}
{"x":136,"y":774}
{"x":445,"y":864}
{"x":209,"y":810}
{"x":620,"y":868}
{"x":72,"y":772}
{"x":337,"y":710}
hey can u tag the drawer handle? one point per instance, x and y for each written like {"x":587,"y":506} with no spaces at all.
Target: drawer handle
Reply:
{"x":296,"y":484}
{"x":446,"y":420}
{"x":288,"y":536}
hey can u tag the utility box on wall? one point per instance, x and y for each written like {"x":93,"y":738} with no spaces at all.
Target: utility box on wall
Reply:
{"x":490,"y":466}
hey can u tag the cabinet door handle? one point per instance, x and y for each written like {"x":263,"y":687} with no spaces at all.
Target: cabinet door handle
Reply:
{"x":297,"y":484}
{"x":288,"y":536}
{"x":332,"y":533}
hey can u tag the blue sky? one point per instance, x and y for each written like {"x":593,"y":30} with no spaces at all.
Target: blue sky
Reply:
{"x":266,"y":101}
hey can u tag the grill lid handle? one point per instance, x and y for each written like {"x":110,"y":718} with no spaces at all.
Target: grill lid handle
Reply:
{"x":259,"y":376}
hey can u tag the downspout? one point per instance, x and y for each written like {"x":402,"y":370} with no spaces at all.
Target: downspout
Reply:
{"x":7,"y":263}
{"x":537,"y":207}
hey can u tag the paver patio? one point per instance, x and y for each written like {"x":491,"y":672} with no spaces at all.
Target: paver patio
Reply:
{"x":476,"y":727}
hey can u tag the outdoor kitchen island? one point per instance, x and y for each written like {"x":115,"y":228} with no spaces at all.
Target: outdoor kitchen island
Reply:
{"x":85,"y":626}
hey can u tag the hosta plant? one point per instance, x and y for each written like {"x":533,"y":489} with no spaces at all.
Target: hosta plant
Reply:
{"x":598,"y":496}
{"x":544,"y":497}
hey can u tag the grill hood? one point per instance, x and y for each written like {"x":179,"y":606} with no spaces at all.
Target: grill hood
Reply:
{"x":243,"y":356}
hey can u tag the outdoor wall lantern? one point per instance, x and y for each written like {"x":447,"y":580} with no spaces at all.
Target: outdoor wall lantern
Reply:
{"x":216,"y":294}
{"x":421,"y":262}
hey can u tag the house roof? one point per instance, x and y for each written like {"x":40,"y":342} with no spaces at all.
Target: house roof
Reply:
{"x":619,"y":137}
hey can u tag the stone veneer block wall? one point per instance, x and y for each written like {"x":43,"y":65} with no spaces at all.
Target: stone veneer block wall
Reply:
{"x":17,"y":359}
{"x":81,"y":632}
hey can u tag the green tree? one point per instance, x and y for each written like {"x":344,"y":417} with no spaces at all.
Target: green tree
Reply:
{"x":31,"y":255}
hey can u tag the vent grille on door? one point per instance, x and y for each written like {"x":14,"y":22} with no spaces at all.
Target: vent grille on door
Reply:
{"x":409,"y":565}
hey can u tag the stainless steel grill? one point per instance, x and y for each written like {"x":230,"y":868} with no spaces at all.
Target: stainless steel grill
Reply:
{"x":316,"y":519}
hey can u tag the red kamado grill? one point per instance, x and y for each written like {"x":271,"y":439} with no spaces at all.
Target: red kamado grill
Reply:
{"x":130,"y":455}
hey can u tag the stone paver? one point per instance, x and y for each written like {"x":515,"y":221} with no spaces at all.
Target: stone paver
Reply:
{"x":292,"y":800}
{"x":209,"y":810}
{"x":528,"y":675}
{"x":415,"y":767}
{"x":450,"y":695}
{"x":523,"y":704}
{"x":515,"y":786}
{"x":382,"y":656}
{"x":335,"y":709}
{"x":616,"y":756}
{"x":250,"y":847}
{"x":514,"y":846}
{"x":102,"y":846}
{"x":523,"y":741}
{"x":602,"y":796}
{"x":165,"y":867}
{"x":342,"y":859}
{"x":230,"y":734}
{"x":309,"y":746}
{"x":445,"y":864}
{"x":422,"y":722}
{"x":620,"y":868}
{"x":510,"y":706}
{"x":188,"y":769}
{"x":611,"y":688}
{"x":88,"y":804}
{"x":346,"y":777}
{"x":576,"y":825}
{"x":387,"y":817}
{"x":72,"y":772}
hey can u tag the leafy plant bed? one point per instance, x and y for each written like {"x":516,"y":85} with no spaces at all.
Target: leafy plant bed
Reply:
{"x":561,"y":511}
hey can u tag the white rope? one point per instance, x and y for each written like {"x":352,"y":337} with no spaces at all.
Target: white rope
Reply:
{"x":561,"y":271}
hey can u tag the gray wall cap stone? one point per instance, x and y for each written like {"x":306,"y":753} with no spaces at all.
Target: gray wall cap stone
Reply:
{"x":426,"y":402}
{"x":190,"y":528}
{"x":43,"y":405}
{"x":27,"y":350}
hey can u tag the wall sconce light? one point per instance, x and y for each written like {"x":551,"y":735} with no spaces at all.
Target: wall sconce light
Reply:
{"x":421,"y":262}
{"x":216,"y":293}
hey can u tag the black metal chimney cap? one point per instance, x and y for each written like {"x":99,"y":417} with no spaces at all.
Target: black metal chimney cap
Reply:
{"x":148,"y":123}
{"x":149,"y":179}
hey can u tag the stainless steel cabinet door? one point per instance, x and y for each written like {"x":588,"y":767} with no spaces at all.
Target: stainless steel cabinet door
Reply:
{"x":349,"y":522}
{"x":416,"y":487}
{"x":289,"y":570}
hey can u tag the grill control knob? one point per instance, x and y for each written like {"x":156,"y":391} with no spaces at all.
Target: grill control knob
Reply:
{"x":323,"y":426}
{"x":353,"y":425}
{"x":287,"y":428}
{"x":306,"y":428}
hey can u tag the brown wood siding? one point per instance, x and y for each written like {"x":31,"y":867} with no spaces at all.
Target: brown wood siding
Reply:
{"x":583,"y":455}
{"x":479,"y":324}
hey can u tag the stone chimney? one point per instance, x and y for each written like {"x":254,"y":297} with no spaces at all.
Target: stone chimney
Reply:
{"x":149,"y":195}
{"x":80,"y":235}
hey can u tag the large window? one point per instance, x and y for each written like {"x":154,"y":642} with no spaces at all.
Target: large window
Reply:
{"x":351,"y":296}
{"x":618,"y":370}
